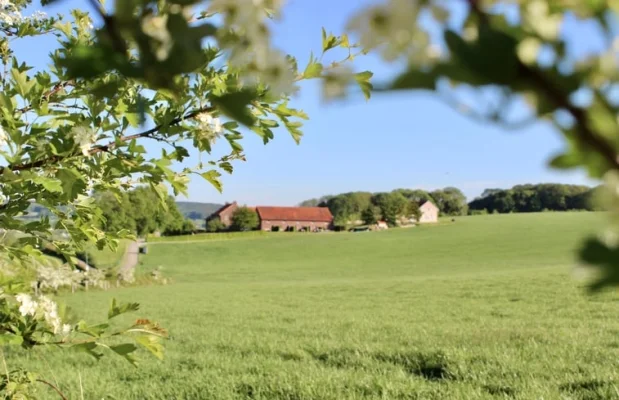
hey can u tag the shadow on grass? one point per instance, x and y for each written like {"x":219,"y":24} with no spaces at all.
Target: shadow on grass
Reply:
{"x":590,"y":390}
{"x":432,"y":365}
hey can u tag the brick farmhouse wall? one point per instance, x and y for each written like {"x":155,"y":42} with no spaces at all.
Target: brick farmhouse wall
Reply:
{"x":268,"y":225}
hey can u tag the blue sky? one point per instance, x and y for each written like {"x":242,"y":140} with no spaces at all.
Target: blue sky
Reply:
{"x":393,"y":141}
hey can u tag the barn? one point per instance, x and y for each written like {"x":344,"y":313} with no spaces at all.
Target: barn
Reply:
{"x":294,"y":218}
{"x":224,"y":214}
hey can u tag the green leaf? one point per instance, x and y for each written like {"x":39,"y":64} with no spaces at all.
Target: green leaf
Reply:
{"x":72,"y":182}
{"x":328,"y":41}
{"x":50,"y":184}
{"x":212,"y":177}
{"x":605,"y":259}
{"x":65,"y":28}
{"x":118,"y":309}
{"x":124,"y":350}
{"x":269,"y":122}
{"x":235,"y":105}
{"x":363,"y":76}
{"x":94,"y":330}
{"x":414,"y":79}
{"x":363,"y":80}
{"x":11,"y":339}
{"x":88,"y":348}
{"x":566,"y":161}
{"x":492,"y":59}
{"x":24,"y":85}
{"x":313,"y":70}
{"x":152,"y":344}
{"x":133,"y":119}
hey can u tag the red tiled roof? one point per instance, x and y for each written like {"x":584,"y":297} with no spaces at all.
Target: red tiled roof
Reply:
{"x":223,"y":208}
{"x":316,"y":214}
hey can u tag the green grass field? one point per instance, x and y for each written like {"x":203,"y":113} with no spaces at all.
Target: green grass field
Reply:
{"x":483,"y":308}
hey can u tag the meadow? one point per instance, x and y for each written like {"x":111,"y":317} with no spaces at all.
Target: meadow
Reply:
{"x":486,"y":307}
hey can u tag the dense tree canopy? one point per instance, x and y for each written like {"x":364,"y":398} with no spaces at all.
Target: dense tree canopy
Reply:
{"x":244,"y":219}
{"x":533,"y":198}
{"x":348,"y":208}
{"x":133,"y":211}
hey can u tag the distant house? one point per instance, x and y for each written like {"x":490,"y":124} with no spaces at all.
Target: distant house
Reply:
{"x":429,"y":213}
{"x":382,"y":225}
{"x":294,"y":218}
{"x":224,"y":214}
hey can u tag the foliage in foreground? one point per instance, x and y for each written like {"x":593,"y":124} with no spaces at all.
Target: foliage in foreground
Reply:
{"x":195,"y":75}
{"x":512,"y":63}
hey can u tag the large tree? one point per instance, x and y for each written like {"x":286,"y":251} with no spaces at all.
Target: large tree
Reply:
{"x":244,"y":219}
{"x":186,"y":75}
{"x":450,"y":201}
{"x":392,"y":206}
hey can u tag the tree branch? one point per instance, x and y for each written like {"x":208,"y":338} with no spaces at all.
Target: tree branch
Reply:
{"x":554,"y":93}
{"x":106,"y":147}
{"x":62,"y":396}
{"x":57,"y":88}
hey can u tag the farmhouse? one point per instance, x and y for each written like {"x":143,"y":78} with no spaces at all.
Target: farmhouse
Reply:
{"x":429,"y":213}
{"x":294,"y":218}
{"x":224,"y":214}
{"x":281,"y":218}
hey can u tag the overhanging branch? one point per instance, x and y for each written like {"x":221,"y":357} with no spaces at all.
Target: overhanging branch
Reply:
{"x":105,"y":147}
{"x":554,"y":94}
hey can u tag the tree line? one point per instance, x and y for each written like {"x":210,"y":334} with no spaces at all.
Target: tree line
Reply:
{"x":535,"y":198}
{"x":138,"y":211}
{"x":389,"y":206}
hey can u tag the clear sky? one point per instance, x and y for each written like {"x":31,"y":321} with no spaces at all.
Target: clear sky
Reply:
{"x":393,"y":141}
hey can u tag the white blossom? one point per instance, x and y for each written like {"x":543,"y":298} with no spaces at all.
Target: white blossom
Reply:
{"x":210,"y":128}
{"x":336,"y":82}
{"x":45,"y":309}
{"x":252,"y":52}
{"x":27,"y":305}
{"x":391,"y":25}
{"x":66,"y":329}
{"x":49,"y":309}
{"x":38,"y":15}
{"x":156,"y":27}
{"x":4,"y":137}
{"x":9,"y":13}
{"x":84,"y":137}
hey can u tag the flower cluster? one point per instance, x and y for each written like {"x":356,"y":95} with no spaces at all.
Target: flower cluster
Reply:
{"x":9,"y":13}
{"x":4,"y":137}
{"x":54,"y":278}
{"x":210,"y":128}
{"x":44,"y":309}
{"x":247,"y":38}
{"x":84,"y":137}
{"x":394,"y":29}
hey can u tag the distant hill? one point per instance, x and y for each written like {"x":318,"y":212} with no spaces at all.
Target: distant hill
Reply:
{"x":197,"y":211}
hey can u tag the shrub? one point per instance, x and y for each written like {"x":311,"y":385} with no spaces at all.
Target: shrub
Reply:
{"x":478,"y":212}
{"x":215,"y":225}
{"x":244,"y":219}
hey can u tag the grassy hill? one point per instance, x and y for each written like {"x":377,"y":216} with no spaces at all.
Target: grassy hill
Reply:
{"x":197,"y":211}
{"x":482,"y":308}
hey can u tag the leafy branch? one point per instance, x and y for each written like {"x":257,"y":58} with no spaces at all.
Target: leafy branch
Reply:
{"x":557,"y":96}
{"x":106,"y":147}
